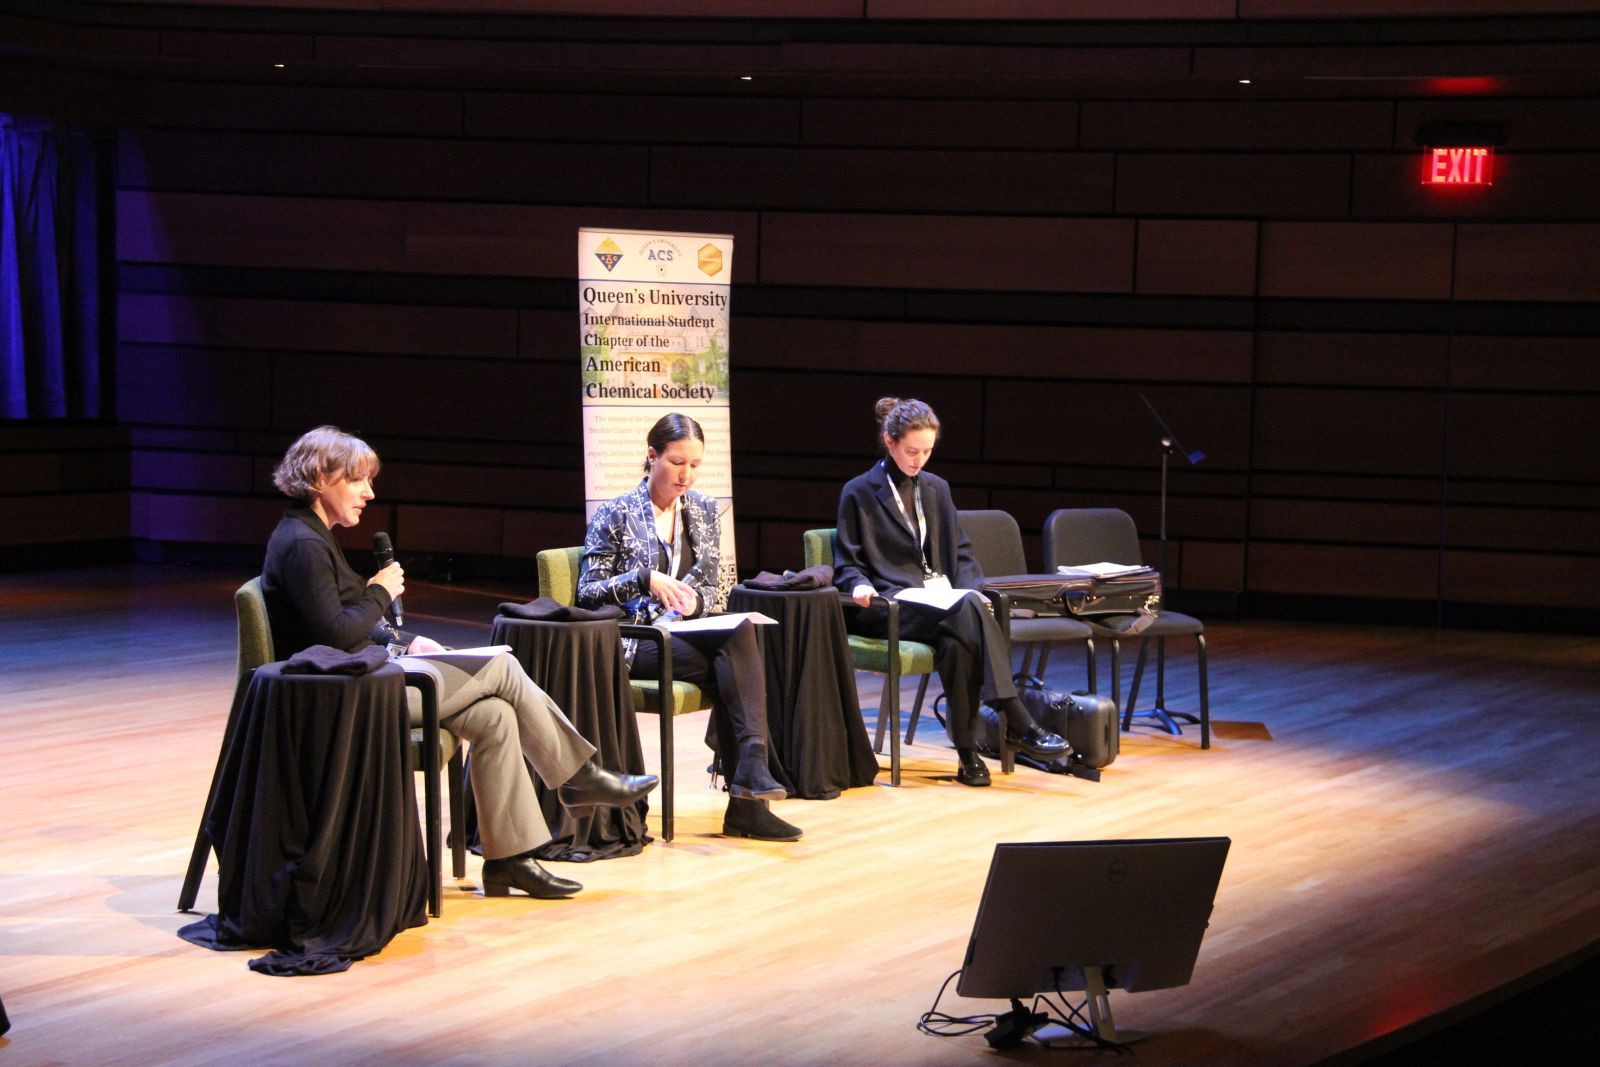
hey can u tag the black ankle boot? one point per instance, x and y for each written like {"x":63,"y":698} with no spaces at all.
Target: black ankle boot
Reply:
{"x":523,"y":872}
{"x":752,"y":779}
{"x":754,"y":819}
{"x":593,"y":786}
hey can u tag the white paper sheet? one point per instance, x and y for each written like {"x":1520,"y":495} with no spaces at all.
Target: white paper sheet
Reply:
{"x":943,"y":599}
{"x":714,"y":623}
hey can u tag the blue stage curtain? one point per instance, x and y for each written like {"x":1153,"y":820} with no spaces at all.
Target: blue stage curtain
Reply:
{"x":49,"y":272}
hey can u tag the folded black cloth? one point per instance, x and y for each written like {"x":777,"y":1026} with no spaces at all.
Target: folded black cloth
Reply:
{"x":818,"y":577}
{"x":550,"y":610}
{"x":325,"y":659}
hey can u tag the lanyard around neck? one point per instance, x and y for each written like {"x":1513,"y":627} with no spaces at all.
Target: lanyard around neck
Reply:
{"x":675,"y":549}
{"x":919,"y":529}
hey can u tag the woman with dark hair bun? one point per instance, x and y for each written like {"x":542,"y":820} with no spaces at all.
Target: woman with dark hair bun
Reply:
{"x":315,"y":598}
{"x":897,"y":530}
{"x":656,"y":552}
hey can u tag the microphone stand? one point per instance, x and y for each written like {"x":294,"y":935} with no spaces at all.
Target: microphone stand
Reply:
{"x":1170,"y":446}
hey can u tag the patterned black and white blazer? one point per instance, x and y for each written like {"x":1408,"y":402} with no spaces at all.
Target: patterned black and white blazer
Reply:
{"x":619,"y":550}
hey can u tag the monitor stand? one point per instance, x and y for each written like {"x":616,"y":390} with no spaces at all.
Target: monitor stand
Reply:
{"x":1057,"y":1036}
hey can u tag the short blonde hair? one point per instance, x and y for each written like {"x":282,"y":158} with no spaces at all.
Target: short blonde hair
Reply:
{"x":319,"y":457}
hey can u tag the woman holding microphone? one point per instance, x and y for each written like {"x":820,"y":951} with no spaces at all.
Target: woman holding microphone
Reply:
{"x":314,"y":598}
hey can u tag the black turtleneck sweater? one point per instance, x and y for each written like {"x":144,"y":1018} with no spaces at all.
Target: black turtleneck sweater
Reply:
{"x":313,"y":597}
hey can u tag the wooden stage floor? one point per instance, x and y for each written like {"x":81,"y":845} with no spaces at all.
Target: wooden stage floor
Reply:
{"x":1415,"y":820}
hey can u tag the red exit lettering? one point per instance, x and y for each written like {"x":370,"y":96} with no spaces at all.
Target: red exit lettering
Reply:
{"x":1458,"y":166}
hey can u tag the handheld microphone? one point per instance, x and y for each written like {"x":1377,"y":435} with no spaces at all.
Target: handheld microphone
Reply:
{"x":383,"y":552}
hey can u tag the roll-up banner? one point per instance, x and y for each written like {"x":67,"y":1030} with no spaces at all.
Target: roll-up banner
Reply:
{"x":653,"y":338}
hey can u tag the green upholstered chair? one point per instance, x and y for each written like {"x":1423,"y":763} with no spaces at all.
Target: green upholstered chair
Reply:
{"x":888,"y":656}
{"x":558,"y":580}
{"x":255,"y":650}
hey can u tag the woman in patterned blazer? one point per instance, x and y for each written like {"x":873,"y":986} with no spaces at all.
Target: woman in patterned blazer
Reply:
{"x":655,"y":552}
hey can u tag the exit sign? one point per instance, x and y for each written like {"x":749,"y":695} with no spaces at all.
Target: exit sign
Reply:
{"x":1458,"y":166}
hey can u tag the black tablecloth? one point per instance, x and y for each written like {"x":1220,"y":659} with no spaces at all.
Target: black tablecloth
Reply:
{"x":813,"y":714}
{"x":580,"y":664}
{"x":315,"y":823}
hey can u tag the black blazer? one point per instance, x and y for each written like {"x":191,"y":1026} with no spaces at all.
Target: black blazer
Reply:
{"x":313,"y":597}
{"x":875,"y":546}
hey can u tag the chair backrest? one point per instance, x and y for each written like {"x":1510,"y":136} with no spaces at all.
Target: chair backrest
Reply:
{"x":558,"y":574}
{"x":996,"y":542}
{"x":819,"y":546}
{"x":1090,"y":535}
{"x":255,"y":630}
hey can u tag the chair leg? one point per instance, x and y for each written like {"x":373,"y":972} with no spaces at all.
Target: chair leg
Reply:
{"x":877,"y":734}
{"x":667,"y":708}
{"x":458,"y":815}
{"x":1133,"y":690}
{"x":892,"y":713}
{"x":1116,"y":678}
{"x":197,"y":867}
{"x":1167,"y":720}
{"x":1035,"y":661}
{"x":1161,"y":672}
{"x":666,"y":769}
{"x":1088,"y":658}
{"x":1205,"y":691}
{"x":434,"y":817}
{"x":202,"y":841}
{"x":916,"y":709}
{"x":435,"y":852}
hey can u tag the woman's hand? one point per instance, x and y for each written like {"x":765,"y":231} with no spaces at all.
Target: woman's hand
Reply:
{"x":673,"y":594}
{"x":392,"y":578}
{"x":421,"y":645}
{"x":863,"y":594}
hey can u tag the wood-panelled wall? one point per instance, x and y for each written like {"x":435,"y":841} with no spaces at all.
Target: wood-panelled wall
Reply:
{"x":1395,"y":386}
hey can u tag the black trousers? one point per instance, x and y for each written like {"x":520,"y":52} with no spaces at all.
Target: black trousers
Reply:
{"x":972,"y":655}
{"x":727,"y":664}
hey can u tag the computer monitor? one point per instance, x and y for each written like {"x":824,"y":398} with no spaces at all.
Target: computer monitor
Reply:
{"x":1133,"y":911}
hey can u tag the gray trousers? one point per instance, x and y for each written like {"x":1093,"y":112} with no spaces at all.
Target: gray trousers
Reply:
{"x":492,"y":704}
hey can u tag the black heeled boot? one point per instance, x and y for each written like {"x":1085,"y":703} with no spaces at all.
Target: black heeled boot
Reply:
{"x":754,"y":819}
{"x":594,"y":786}
{"x":524,"y":872}
{"x":752,"y":780}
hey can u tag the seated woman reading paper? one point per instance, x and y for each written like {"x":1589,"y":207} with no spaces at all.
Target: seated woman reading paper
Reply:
{"x":655,"y":552}
{"x":315,"y":598}
{"x":898,"y":530}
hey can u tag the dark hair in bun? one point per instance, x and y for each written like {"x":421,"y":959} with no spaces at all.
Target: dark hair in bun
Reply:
{"x":898,"y":417}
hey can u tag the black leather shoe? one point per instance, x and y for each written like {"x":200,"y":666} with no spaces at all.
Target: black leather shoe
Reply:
{"x":594,"y":786}
{"x":1039,"y":743}
{"x":971,"y":770}
{"x":524,"y":873}
{"x":752,"y":818}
